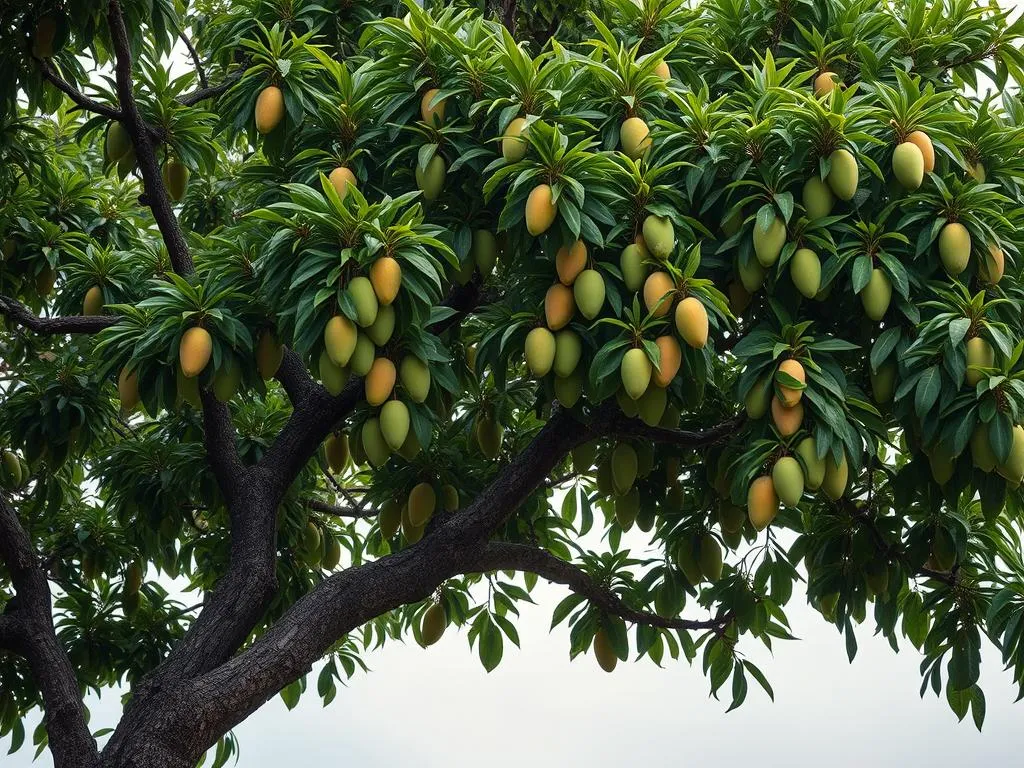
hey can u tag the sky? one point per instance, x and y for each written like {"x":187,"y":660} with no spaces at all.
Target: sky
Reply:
{"x":438,"y":708}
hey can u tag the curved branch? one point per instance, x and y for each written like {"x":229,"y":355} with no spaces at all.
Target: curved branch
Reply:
{"x":21,"y":315}
{"x":684,"y":438}
{"x":80,"y":99}
{"x":196,"y":61}
{"x":326,"y":508}
{"x":296,"y":379}
{"x":211,"y":91}
{"x":500,"y":556}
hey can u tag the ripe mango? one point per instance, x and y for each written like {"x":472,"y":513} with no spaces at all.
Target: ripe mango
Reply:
{"x":484,"y":250}
{"x":787,"y":420}
{"x":762,"y":502}
{"x":659,"y":290}
{"x":692,"y":322}
{"x":624,"y":468}
{"x":883,"y":383}
{"x":659,"y":236}
{"x":336,"y":451}
{"x":513,"y":148}
{"x":634,"y":137}
{"x":662,"y":71}
{"x":568,"y":350}
{"x":908,"y":165}
{"x":788,"y":481}
{"x":227,"y":379}
{"x":570,"y":261}
{"x":175,"y":175}
{"x":415,"y":377}
{"x":671,"y":359}
{"x":979,"y":353}
{"x":540,"y":351}
{"x":817,"y":198}
{"x":194,"y":351}
{"x":921,"y":140}
{"x":128,"y":390}
{"x":340,"y":340}
{"x":603,"y":651}
{"x":394,"y":423}
{"x":540,"y":210}
{"x":422,"y":501}
{"x":813,"y":464}
{"x":386,"y":279}
{"x":790,"y":396}
{"x":876,"y":295}
{"x":634,"y":271}
{"x":626,"y":508}
{"x":805,"y":270}
{"x":430,"y":179}
{"x":269,"y":354}
{"x":341,"y":179}
{"x":93,"y":302}
{"x":768,"y":244}
{"x":364,"y":299}
{"x":636,"y":372}
{"x":559,"y":306}
{"x":118,"y":142}
{"x":269,"y":109}
{"x":752,"y":275}
{"x":374,"y":445}
{"x":710,"y":558}
{"x":433,"y":624}
{"x":825,"y":83}
{"x":589,"y":292}
{"x":380,"y":382}
{"x":651,"y":406}
{"x":992,"y":265}
{"x":488,"y":433}
{"x":383,"y":327}
{"x":362,"y":356}
{"x":954,"y":248}
{"x":843,"y":175}
{"x":431,"y":111}
{"x":836,"y":477}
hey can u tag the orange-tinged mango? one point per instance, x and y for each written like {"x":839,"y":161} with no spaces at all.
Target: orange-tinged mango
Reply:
{"x":269,"y":109}
{"x":787,"y":420}
{"x":432,"y":112}
{"x":790,"y":396}
{"x":386,"y":277}
{"x":380,"y":381}
{"x":93,"y":302}
{"x":559,"y":306}
{"x":194,"y":351}
{"x":540,"y":210}
{"x":921,"y":140}
{"x":692,"y":322}
{"x":762,"y":502}
{"x":658,"y":290}
{"x":570,"y":261}
{"x":671,"y":359}
{"x":341,"y":179}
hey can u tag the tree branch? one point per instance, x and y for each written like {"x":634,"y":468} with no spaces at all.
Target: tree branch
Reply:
{"x":196,"y":61}
{"x":21,"y":315}
{"x":212,"y":91}
{"x":500,"y":556}
{"x":80,"y":99}
{"x":627,"y":427}
{"x":324,"y":507}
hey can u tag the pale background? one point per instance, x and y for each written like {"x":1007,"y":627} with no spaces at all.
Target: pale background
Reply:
{"x":438,"y":708}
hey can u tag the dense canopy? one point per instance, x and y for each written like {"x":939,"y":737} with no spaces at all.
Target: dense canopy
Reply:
{"x":329,"y":324}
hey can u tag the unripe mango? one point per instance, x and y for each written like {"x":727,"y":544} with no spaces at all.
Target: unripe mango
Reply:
{"x":411,"y":447}
{"x":415,"y":377}
{"x":908,"y":165}
{"x":814,"y":465}
{"x":805,"y":270}
{"x":269,"y":354}
{"x":921,"y":140}
{"x":635,"y":137}
{"x":787,"y":420}
{"x":589,"y":292}
{"x":559,"y":306}
{"x":583,"y":456}
{"x":981,"y":449}
{"x":394,"y":423}
{"x":954,"y":247}
{"x":843,"y":175}
{"x":540,"y":351}
{"x":340,"y":340}
{"x":692,"y":322}
{"x":731,"y":517}
{"x":431,"y":110}
{"x":659,"y":236}
{"x":752,"y":275}
{"x":759,"y":397}
{"x":449,"y":498}
{"x":430,"y":179}
{"x":788,"y":481}
{"x":364,"y":299}
{"x":710,"y":558}
{"x":624,"y":468}
{"x":659,"y":289}
{"x":128,"y":390}
{"x":45,"y":280}
{"x":389,"y":519}
{"x":817,"y":198}
{"x":540,"y":210}
{"x":603,"y":651}
{"x":626,"y":508}
{"x":569,"y":389}
{"x":383,"y":326}
{"x":883,"y":383}
{"x":194,"y":351}
{"x":825,"y":83}
{"x":877,"y":295}
{"x":411,"y":533}
{"x":374,"y":445}
{"x":332,"y":553}
{"x":790,"y":396}
{"x":269,"y":109}
{"x":877,"y":577}
{"x":981,"y":354}
{"x":941,"y":462}
{"x":175,"y":175}
{"x":636,"y":372}
{"x":422,"y":502}
{"x":380,"y":381}
{"x":836,"y":477}
{"x":386,"y":279}
{"x":433,"y":624}
{"x":93,"y":302}
{"x":662,"y":71}
{"x":513,"y":148}
{"x":570,"y":261}
{"x":768,"y":243}
{"x":762,"y":502}
{"x":651,"y":406}
{"x":488,"y":433}
{"x":336,"y":451}
{"x":227,"y":379}
{"x":484,"y":250}
{"x":626,"y":404}
{"x":1013,"y":468}
{"x":687,"y":555}
{"x":118,"y":142}
{"x":341,"y":179}
{"x":362,"y":356}
{"x":670,"y":360}
{"x":992,"y":265}
{"x":634,"y":271}
{"x":568,"y":350}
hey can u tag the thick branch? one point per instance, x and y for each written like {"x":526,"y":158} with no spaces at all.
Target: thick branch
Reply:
{"x":520,"y":557}
{"x":20,"y":314}
{"x":196,"y":61}
{"x":12,"y":632}
{"x":80,"y":99}
{"x":684,"y":438}
{"x":211,"y":91}
{"x":324,"y":507}
{"x":295,"y":378}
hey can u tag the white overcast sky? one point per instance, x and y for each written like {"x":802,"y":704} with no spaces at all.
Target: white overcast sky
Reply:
{"x":437,"y":708}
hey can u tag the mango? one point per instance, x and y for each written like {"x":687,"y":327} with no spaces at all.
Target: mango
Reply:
{"x":659,"y":290}
{"x":659,"y":236}
{"x":752,"y":275}
{"x":651,"y":406}
{"x":383,"y":326}
{"x":227,"y":379}
{"x":540,"y":351}
{"x":336,"y":451}
{"x":415,"y":377}
{"x":941,"y":462}
{"x":341,"y":179}
{"x":310,"y":546}
{"x":488,"y":433}
{"x":825,"y":83}
{"x":759,"y":398}
{"x":813,"y":464}
{"x":636,"y":370}
{"x":836,"y":477}
{"x":692,"y":322}
{"x":876,"y":295}
{"x":883,"y":383}
{"x":362,"y":356}
{"x":449,"y":498}
{"x":662,"y":71}
{"x":411,"y":533}
{"x":126,"y":164}
{"x":175,"y":175}
{"x":583,"y":456}
{"x":921,"y":140}
{"x":269,"y":109}
{"x":374,"y":445}
{"x":787,"y":420}
{"x":433,"y":624}
{"x":805,"y":271}
{"x":570,"y":261}
{"x":954,"y":248}
{"x":513,"y":148}
{"x":1013,"y":468}
{"x":817,"y":198}
{"x":670,"y":360}
{"x":710,"y":557}
{"x":977,"y":172}
{"x":411,"y":447}
{"x":877,"y":578}
{"x":626,"y":508}
{"x":790,"y":396}
{"x":128,"y":390}
{"x":394,"y":423}
{"x":269,"y":354}
{"x":687,"y":555}
{"x":589,"y":293}
{"x":340,"y":340}
{"x":762,"y":502}
{"x":568,"y":350}
{"x":430,"y":179}
{"x":559,"y":306}
{"x":484,"y":250}
{"x":634,"y":271}
{"x":431,"y":110}
{"x":422,"y":502}
{"x":380,"y":381}
{"x":731,"y":517}
{"x":364,"y":299}
{"x":992,"y":265}
{"x":332,"y":553}
{"x":386,"y":279}
{"x":45,"y":280}
{"x":118,"y":142}
{"x":389,"y":519}
{"x":768,"y":243}
{"x":981,"y":354}
{"x":981,"y":449}
{"x":634,"y":137}
{"x":540,"y":210}
{"x":93,"y":302}
{"x":626,"y":404}
{"x":603,"y":651}
{"x":194,"y":351}
{"x":187,"y":389}
{"x":843,"y":175}
{"x":908,"y":165}
{"x":624,"y":468}
{"x":788,"y":481}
